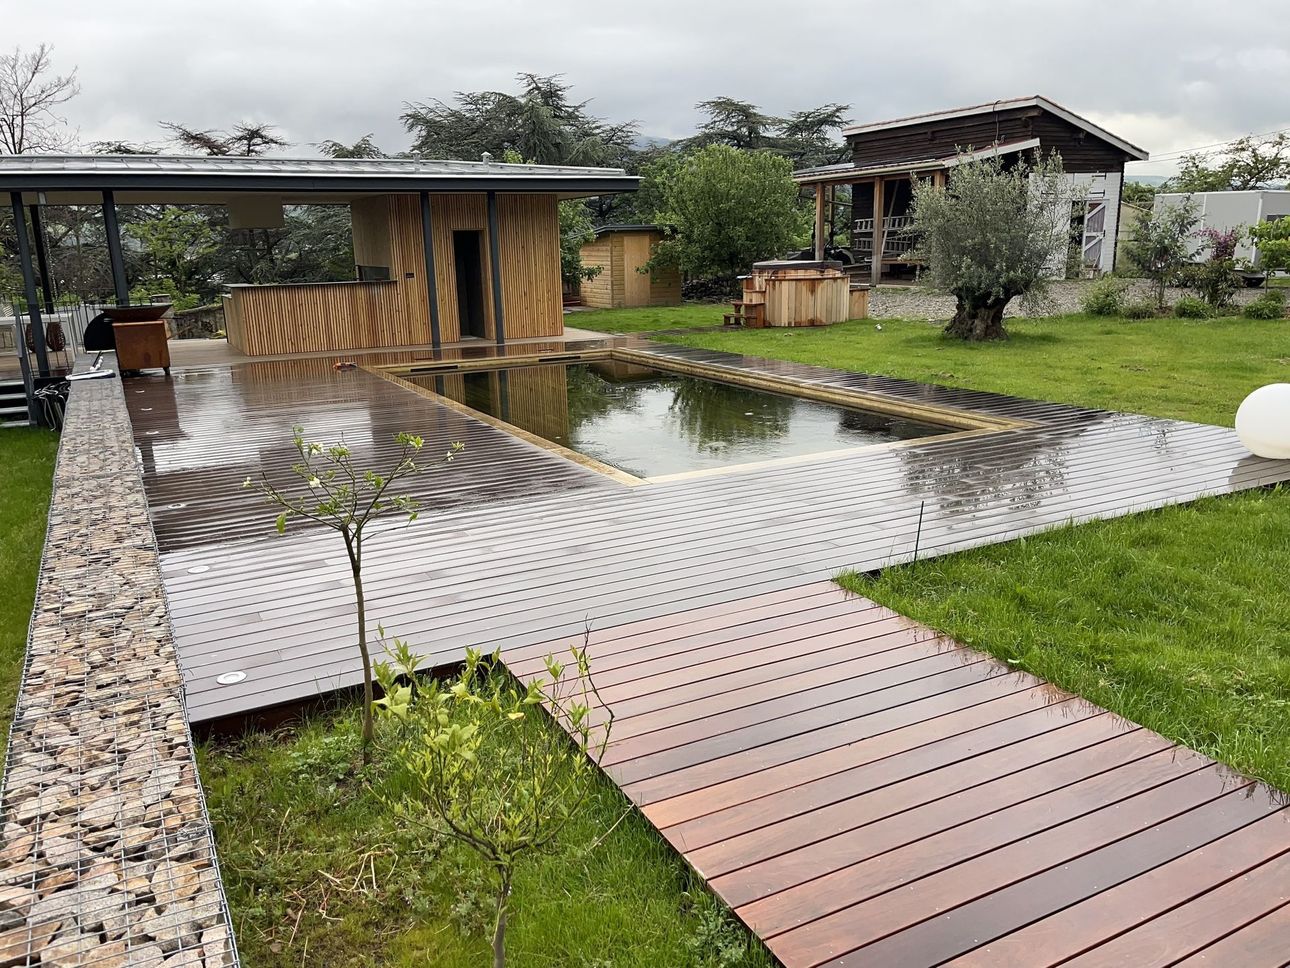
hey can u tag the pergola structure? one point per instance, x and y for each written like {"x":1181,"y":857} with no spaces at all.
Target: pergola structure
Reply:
{"x":443,"y":249}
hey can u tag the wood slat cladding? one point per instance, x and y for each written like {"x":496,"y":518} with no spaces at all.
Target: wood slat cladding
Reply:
{"x":529,"y":227}
{"x":598,"y":291}
{"x":1080,"y":150}
{"x":862,"y":790}
{"x":268,"y":320}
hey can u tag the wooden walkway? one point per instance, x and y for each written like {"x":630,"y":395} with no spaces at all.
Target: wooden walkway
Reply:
{"x":521,"y":545}
{"x":863,"y":791}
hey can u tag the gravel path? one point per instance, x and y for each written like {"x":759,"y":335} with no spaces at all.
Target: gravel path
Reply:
{"x":917,"y":302}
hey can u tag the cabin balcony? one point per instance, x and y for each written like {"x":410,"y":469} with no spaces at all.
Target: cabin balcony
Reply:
{"x":897,"y":235}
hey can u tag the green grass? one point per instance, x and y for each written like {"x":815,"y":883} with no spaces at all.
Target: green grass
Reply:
{"x":28,"y":457}
{"x":1190,"y":369}
{"x":318,"y":872}
{"x":690,"y":316}
{"x":1178,"y":619}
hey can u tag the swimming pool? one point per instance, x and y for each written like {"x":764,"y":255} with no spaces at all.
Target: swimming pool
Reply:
{"x":652,"y":423}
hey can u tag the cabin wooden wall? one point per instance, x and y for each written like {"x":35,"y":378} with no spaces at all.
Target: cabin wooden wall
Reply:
{"x":1080,"y":150}
{"x":598,"y":292}
{"x":529,"y":233}
{"x":271,"y":320}
{"x":387,"y":232}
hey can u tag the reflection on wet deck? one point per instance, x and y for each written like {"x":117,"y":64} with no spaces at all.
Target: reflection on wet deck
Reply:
{"x":522,"y":545}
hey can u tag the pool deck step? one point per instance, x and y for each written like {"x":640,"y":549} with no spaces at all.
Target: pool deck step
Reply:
{"x":864,"y":791}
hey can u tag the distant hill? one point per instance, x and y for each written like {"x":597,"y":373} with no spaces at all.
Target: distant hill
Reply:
{"x":1152,"y":180}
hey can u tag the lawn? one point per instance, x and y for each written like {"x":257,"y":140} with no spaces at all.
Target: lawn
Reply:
{"x":1178,"y":619}
{"x":1191,"y":369}
{"x":318,"y":872}
{"x":690,"y":316}
{"x":28,"y":456}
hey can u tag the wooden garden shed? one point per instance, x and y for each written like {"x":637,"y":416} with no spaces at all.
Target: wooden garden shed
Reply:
{"x":621,"y":252}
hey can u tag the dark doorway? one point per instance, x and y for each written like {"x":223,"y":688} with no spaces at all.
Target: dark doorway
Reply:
{"x":468,"y":256}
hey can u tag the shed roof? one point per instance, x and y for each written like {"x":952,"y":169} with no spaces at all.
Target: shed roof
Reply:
{"x":297,"y":176}
{"x":600,"y":230}
{"x":1033,"y":100}
{"x":846,"y":172}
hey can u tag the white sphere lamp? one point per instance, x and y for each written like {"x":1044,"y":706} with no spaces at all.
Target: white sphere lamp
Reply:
{"x":1263,"y":421}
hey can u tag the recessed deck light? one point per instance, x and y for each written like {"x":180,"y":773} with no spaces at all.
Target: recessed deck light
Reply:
{"x":230,"y":678}
{"x":175,"y":507}
{"x":150,"y":433}
{"x":198,"y":569}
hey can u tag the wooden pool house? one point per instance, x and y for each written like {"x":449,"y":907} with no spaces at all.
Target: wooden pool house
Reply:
{"x":444,"y":250}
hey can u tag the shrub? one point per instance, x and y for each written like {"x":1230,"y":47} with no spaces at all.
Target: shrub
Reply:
{"x":1139,"y":310}
{"x":1105,"y":297}
{"x":1271,"y":305}
{"x":1191,"y":307}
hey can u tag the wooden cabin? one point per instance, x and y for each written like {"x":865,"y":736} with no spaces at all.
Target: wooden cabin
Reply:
{"x":621,"y":253}
{"x":872,"y":214}
{"x":444,"y":251}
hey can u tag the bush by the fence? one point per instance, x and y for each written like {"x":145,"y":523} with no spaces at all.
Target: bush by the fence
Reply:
{"x":1105,"y":297}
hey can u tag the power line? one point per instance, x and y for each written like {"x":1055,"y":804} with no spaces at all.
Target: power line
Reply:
{"x":1218,"y":144}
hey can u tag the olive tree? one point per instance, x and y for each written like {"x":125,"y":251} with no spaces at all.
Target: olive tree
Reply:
{"x":479,"y":761}
{"x":989,"y":236}
{"x":341,"y":497}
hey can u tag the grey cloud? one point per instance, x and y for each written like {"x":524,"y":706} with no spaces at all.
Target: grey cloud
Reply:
{"x":1168,"y":73}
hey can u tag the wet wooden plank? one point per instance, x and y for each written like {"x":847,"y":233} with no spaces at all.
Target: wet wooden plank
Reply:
{"x":1261,"y":943}
{"x":1136,"y":902}
{"x":934,"y":824}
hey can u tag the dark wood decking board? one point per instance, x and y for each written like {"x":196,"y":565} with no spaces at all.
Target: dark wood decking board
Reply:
{"x":519,"y":545}
{"x":972,"y":814}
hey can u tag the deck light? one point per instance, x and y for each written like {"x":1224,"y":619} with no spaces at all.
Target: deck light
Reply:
{"x":230,"y":678}
{"x":1263,"y":421}
{"x":199,"y":569}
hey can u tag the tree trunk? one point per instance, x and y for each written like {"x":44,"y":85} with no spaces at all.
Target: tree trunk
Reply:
{"x":499,"y":926}
{"x":368,"y":695}
{"x":978,"y":321}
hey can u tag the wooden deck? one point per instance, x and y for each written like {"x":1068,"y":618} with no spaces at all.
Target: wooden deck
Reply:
{"x":861,"y":790}
{"x":865,"y":792}
{"x":525,"y":546}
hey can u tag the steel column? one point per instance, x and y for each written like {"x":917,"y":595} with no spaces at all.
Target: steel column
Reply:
{"x":113,"y":231}
{"x":42,"y":256}
{"x":432,"y":286}
{"x":495,"y":264}
{"x":29,"y":286}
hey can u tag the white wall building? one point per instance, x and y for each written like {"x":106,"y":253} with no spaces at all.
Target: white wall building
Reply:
{"x":1233,"y":210}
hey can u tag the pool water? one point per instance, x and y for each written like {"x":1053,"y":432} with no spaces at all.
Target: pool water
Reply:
{"x":651,"y":422}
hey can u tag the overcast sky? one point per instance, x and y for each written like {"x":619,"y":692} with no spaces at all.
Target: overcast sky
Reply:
{"x":1165,"y":75}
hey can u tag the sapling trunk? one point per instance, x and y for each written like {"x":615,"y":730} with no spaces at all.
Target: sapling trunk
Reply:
{"x":499,"y":926}
{"x":368,"y":696}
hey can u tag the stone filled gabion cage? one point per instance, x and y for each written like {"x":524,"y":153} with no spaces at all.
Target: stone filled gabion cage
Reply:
{"x":106,"y":851}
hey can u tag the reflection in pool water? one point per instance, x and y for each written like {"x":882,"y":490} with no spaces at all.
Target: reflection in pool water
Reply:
{"x":651,"y":422}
